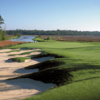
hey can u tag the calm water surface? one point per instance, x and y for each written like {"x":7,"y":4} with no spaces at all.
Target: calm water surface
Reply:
{"x":24,"y":39}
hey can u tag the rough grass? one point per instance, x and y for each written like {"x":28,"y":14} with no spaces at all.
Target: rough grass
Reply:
{"x":46,"y":54}
{"x":82,"y":90}
{"x":40,"y":39}
{"x":20,"y":59}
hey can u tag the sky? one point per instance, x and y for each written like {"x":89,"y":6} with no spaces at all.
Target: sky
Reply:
{"x":80,"y":15}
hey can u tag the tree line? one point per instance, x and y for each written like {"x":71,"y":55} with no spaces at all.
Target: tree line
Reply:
{"x":53,"y":32}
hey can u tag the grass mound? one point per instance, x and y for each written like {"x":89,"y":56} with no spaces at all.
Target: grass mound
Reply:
{"x":39,"y":39}
{"x":46,"y":54}
{"x":46,"y":65}
{"x":20,"y":59}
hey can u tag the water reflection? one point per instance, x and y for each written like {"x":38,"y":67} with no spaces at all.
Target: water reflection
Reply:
{"x":24,"y":39}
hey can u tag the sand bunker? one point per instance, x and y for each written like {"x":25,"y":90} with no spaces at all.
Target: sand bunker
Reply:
{"x":19,"y":88}
{"x":5,"y":50}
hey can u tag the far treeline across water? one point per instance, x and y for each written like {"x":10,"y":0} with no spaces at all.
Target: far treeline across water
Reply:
{"x":54,"y":32}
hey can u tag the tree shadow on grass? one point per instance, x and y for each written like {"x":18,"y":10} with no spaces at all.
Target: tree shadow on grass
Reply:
{"x":46,"y":68}
{"x":83,"y":66}
{"x":43,"y":59}
{"x":46,"y":64}
{"x":87,"y":79}
{"x":56,"y":76}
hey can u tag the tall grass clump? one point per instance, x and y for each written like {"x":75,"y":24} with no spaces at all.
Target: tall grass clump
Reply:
{"x":20,"y":59}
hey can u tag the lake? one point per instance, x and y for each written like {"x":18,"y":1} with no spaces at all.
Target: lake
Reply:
{"x":24,"y":39}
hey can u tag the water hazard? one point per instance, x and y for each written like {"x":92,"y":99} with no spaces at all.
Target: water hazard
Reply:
{"x":24,"y":39}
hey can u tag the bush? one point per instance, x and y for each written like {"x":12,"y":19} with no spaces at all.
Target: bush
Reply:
{"x":18,"y":35}
{"x":38,"y":39}
{"x":39,"y":36}
{"x":2,"y":36}
{"x":48,"y":38}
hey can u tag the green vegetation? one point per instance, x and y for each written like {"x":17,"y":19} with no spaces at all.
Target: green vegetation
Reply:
{"x":40,"y":39}
{"x":12,"y":54}
{"x":1,"y":21}
{"x":75,"y":70}
{"x":82,"y":90}
{"x":2,"y":36}
{"x":54,"y":32}
{"x":46,"y":54}
{"x":20,"y":59}
{"x":18,"y":35}
{"x":25,"y":53}
{"x":49,"y":38}
{"x":13,"y":37}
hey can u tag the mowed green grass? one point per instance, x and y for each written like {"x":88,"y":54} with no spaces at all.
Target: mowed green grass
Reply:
{"x":82,"y":60}
{"x":54,"y":45}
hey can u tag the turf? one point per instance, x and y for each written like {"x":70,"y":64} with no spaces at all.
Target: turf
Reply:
{"x":78,"y":62}
{"x":20,"y":59}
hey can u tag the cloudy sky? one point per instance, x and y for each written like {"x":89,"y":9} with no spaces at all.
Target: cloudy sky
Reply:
{"x":79,"y":15}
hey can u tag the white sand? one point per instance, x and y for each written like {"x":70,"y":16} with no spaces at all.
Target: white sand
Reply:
{"x":19,"y":88}
{"x":5,"y":50}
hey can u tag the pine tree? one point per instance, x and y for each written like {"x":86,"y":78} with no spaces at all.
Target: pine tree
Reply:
{"x":1,"y":21}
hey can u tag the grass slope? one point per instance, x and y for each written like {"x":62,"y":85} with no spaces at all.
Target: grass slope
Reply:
{"x":80,"y":60}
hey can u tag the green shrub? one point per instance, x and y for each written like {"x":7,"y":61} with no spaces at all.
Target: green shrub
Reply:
{"x":2,"y":36}
{"x":38,"y":39}
{"x":18,"y":35}
{"x":48,"y":38}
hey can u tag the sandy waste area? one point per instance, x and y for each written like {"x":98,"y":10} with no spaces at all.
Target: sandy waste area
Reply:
{"x":21,"y":88}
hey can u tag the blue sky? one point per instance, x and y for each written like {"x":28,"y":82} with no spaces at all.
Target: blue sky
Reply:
{"x":79,"y":15}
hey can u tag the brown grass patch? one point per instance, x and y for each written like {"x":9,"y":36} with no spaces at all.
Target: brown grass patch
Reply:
{"x":73,"y":38}
{"x":7,"y":42}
